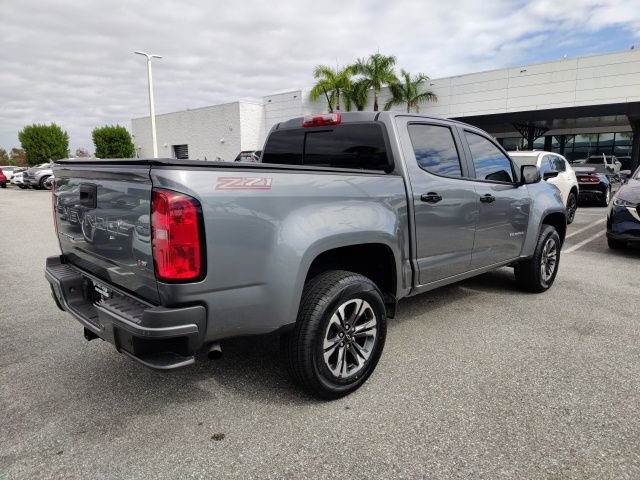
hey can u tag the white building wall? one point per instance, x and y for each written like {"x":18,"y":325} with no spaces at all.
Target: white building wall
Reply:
{"x":211,"y":132}
{"x":221,"y":131}
{"x":251,"y":126}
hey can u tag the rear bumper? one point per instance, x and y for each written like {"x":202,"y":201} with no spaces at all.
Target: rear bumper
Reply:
{"x":585,"y":194}
{"x":157,"y":337}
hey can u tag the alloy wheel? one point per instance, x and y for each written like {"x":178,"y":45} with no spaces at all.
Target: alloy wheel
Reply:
{"x":350,"y":338}
{"x":549,"y":260}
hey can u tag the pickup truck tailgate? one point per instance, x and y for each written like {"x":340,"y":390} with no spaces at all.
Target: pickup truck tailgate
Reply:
{"x":102,"y":215}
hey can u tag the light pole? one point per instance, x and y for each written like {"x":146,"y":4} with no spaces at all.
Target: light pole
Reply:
{"x":151,"y":106}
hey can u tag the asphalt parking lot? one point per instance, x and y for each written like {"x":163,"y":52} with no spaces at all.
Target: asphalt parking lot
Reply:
{"x":478,"y":380}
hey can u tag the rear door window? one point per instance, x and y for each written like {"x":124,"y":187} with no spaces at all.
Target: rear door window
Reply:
{"x":488,"y":160}
{"x":435,"y":149}
{"x":357,"y":146}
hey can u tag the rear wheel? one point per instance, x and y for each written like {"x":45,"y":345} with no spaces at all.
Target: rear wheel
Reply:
{"x":616,"y":244}
{"x":606,"y":198}
{"x":572,"y":206}
{"x":3,"y":185}
{"x":539,"y":272}
{"x":339,"y":334}
{"x":44,"y":184}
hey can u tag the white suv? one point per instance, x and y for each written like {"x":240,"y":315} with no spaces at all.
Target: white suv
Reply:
{"x":565,"y":180}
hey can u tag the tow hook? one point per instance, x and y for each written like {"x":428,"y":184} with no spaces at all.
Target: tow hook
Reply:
{"x":89,"y":335}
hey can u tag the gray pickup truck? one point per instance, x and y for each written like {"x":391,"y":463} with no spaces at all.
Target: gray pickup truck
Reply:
{"x":345,"y":215}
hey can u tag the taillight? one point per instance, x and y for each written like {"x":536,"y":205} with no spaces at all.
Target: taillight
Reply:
{"x":588,"y":180}
{"x":175,"y":236}
{"x":322,"y":120}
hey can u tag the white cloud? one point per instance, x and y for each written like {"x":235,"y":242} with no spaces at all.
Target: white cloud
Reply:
{"x":71,"y":62}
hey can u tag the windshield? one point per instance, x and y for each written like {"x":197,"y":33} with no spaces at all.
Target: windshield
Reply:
{"x":521,"y":160}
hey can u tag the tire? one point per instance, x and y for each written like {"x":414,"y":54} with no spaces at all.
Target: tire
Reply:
{"x":572,"y":206}
{"x":3,"y":185}
{"x":528,"y":273}
{"x":326,"y":300}
{"x":606,"y":198}
{"x":42,"y":184}
{"x":616,"y":244}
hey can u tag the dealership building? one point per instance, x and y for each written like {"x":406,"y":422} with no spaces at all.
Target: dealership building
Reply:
{"x":575,"y":106}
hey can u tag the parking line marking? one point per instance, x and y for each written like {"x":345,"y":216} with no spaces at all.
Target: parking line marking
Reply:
{"x":584,"y":242}
{"x":585,"y":228}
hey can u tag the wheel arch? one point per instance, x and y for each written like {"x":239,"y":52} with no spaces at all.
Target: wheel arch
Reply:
{"x":375,"y":261}
{"x":557,"y":220}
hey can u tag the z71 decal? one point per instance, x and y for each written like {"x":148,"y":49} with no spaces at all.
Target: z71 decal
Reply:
{"x":244,"y":183}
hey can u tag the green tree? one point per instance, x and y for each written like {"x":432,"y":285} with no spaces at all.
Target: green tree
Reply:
{"x":356,"y":95}
{"x":331,"y":83}
{"x":407,"y":91}
{"x":42,"y":143}
{"x":113,"y":141}
{"x":4,"y":157}
{"x":376,"y":71}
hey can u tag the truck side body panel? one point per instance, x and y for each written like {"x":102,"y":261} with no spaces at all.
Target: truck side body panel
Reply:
{"x":264,"y":228}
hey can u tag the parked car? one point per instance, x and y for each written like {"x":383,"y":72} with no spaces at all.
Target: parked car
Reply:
{"x":36,"y":177}
{"x":623,"y":217}
{"x":17,"y":180}
{"x":594,"y":186}
{"x":555,"y":169}
{"x":607,"y":164}
{"x":345,"y":215}
{"x":9,"y":171}
{"x":3,"y":179}
{"x":251,"y":156}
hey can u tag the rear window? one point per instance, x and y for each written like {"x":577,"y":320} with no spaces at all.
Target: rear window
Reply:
{"x":358,"y":146}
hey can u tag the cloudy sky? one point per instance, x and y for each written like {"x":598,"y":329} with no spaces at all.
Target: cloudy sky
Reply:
{"x":71,"y":61}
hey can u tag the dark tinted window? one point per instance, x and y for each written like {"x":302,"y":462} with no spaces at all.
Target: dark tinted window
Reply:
{"x":284,"y":146}
{"x":489,"y":162}
{"x":358,"y":146}
{"x":559,"y":164}
{"x":435,"y":149}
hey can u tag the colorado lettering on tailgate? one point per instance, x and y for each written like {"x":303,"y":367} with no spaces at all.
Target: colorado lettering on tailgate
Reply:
{"x":244,"y":183}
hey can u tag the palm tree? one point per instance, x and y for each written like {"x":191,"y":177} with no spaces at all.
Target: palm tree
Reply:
{"x":356,"y":95}
{"x":408,"y":91}
{"x":330,"y":83}
{"x":376,"y":71}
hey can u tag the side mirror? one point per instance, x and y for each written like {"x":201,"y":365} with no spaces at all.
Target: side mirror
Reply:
{"x":550,"y":174}
{"x":529,"y":174}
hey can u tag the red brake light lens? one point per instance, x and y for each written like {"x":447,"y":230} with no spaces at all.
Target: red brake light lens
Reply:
{"x":176,"y":236}
{"x":322,"y":120}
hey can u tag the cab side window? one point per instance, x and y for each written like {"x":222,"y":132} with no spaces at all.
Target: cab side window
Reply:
{"x":547,"y":164}
{"x":435,"y":149}
{"x":489,"y":162}
{"x":559,"y":164}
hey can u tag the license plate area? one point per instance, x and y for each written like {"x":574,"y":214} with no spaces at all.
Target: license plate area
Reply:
{"x":95,"y":292}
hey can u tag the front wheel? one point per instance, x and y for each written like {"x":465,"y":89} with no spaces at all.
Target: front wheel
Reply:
{"x":572,"y":206}
{"x":339,"y":334}
{"x":539,"y":272}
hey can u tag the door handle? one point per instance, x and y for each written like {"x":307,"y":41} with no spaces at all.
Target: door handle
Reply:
{"x":488,"y":198}
{"x":430,"y":197}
